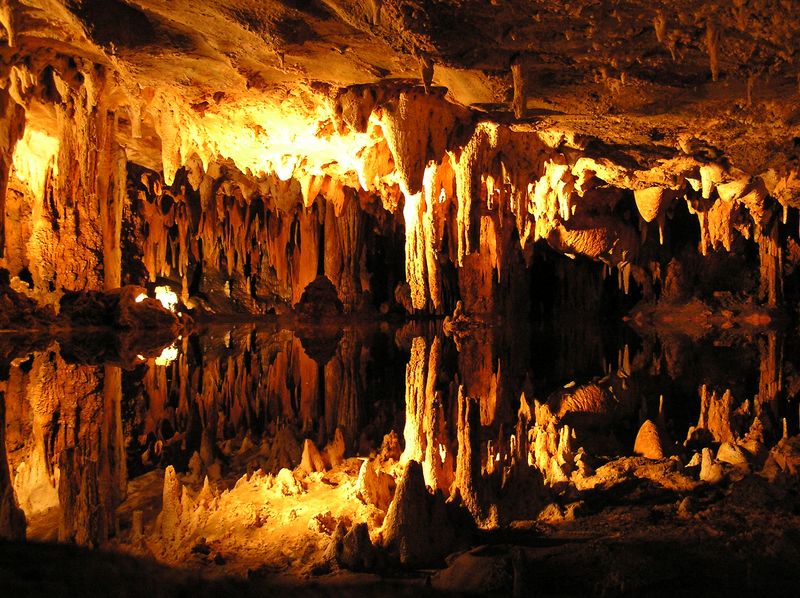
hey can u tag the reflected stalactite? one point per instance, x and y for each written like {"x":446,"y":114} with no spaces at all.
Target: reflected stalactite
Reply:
{"x":343,"y":386}
{"x":75,"y":458}
{"x":12,"y":518}
{"x":476,"y":496}
{"x":770,"y":380}
{"x":29,"y":431}
{"x":311,"y":413}
{"x":426,"y":431}
{"x":416,"y":384}
{"x":264,"y":387}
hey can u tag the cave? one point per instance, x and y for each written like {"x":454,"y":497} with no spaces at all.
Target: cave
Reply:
{"x":398,"y":296}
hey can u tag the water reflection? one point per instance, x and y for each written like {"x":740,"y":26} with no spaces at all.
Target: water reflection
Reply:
{"x":493,"y":416}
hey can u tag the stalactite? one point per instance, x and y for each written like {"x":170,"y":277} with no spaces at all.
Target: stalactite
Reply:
{"x":553,"y":191}
{"x":716,"y":226}
{"x":112,"y":199}
{"x":70,"y":244}
{"x":417,"y":127}
{"x":770,"y":256}
{"x":344,"y":238}
{"x":8,"y":20}
{"x":712,"y":47}
{"x":520,"y":101}
{"x":467,"y":167}
{"x":254,"y":242}
{"x":425,"y":216}
{"x":12,"y":126}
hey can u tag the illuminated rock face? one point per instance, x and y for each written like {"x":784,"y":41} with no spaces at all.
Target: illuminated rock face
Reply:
{"x":394,"y":168}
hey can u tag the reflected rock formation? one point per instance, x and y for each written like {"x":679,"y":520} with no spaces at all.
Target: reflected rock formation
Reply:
{"x":388,"y":448}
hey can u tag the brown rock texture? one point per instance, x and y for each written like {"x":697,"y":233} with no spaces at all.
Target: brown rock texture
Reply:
{"x":339,"y":135}
{"x":416,"y":529}
{"x":648,"y":441}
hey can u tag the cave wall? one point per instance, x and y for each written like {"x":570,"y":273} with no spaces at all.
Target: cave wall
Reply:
{"x":470,"y":198}
{"x":239,"y":180}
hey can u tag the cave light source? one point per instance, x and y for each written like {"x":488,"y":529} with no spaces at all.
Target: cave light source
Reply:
{"x":168,"y":355}
{"x":167,"y":297}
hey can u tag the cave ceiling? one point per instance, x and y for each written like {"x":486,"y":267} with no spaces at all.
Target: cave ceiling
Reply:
{"x":644,"y":74}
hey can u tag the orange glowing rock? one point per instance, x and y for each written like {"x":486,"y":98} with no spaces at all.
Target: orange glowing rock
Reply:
{"x":334,"y":450}
{"x":374,"y":487}
{"x":171,"y":508}
{"x":312,"y":459}
{"x":648,"y":441}
{"x":710,"y":470}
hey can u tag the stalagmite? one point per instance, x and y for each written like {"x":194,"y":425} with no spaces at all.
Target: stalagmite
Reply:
{"x":716,"y":414}
{"x":648,"y":441}
{"x":312,"y":459}
{"x":416,"y":527}
{"x":171,"y":508}
{"x":660,"y":26}
{"x":551,"y":452}
{"x":374,"y":487}
{"x":710,"y":470}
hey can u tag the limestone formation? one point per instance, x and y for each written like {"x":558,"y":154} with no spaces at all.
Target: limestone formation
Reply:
{"x":710,"y":469}
{"x":416,"y":530}
{"x":327,"y":179}
{"x":311,"y":460}
{"x":171,"y":508}
{"x":375,"y":487}
{"x":648,"y":441}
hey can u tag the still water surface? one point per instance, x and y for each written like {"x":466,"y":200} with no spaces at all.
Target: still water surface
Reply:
{"x":87,"y":413}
